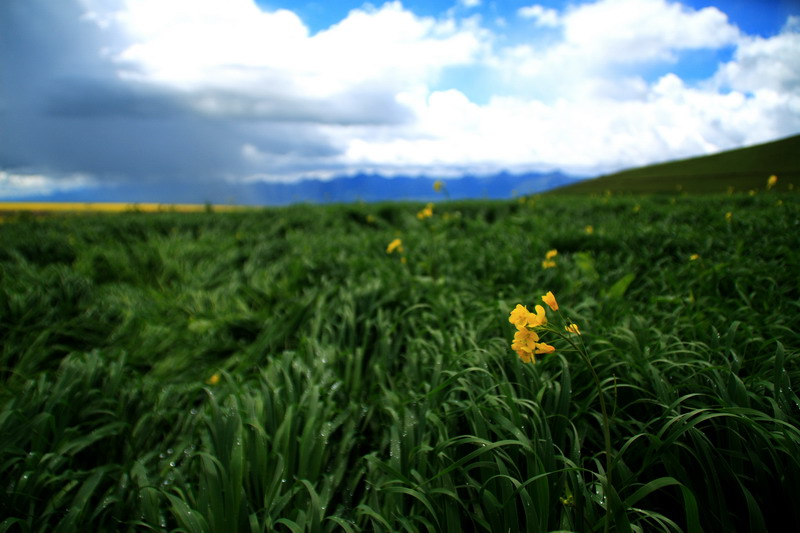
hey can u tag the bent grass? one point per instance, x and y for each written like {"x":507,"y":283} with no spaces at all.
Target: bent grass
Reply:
{"x":276,"y":370}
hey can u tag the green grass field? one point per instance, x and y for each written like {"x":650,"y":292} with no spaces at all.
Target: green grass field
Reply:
{"x":278,"y":370}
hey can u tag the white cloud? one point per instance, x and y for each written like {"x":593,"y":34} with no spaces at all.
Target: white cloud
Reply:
{"x":542,"y":16}
{"x":15,"y":184}
{"x":630,"y":31}
{"x":604,"y":42}
{"x":233,"y":46}
{"x":765,"y":64}
{"x":359,"y":95}
{"x":469,"y":3}
{"x":585,"y":135}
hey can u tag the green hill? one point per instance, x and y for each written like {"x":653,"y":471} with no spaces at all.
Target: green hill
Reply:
{"x":742,"y":169}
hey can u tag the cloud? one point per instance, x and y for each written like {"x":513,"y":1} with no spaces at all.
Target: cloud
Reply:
{"x":542,"y":16}
{"x":604,"y":45}
{"x":16,"y":185}
{"x":632,"y":31}
{"x":223,"y":91}
{"x":590,"y":116}
{"x":765,"y":64}
{"x":233,"y":48}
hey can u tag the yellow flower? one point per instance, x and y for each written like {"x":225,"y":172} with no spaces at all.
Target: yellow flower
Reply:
{"x":548,"y":259}
{"x":694,"y":257}
{"x":213,"y":380}
{"x":437,"y":185}
{"x":521,"y":317}
{"x":589,"y":229}
{"x":396,"y":244}
{"x":728,"y":216}
{"x":526,"y":344}
{"x":772,"y":181}
{"x":550,"y":300}
{"x":426,"y":212}
{"x":637,"y":208}
{"x":573,"y":328}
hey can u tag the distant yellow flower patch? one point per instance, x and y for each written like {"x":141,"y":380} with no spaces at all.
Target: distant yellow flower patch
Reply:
{"x":214,"y":379}
{"x":108,"y":207}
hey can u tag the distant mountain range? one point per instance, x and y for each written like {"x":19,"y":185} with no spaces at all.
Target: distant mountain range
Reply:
{"x":345,"y":189}
{"x":740,"y":170}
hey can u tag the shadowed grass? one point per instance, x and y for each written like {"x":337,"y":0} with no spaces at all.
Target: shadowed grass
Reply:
{"x":356,"y":392}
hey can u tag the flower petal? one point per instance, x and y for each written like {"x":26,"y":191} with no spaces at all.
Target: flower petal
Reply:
{"x":550,"y":300}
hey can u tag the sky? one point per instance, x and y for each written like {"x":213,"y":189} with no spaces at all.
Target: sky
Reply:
{"x":202,"y":93}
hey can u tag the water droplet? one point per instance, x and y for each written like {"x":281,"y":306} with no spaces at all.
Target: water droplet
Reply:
{"x":172,"y":464}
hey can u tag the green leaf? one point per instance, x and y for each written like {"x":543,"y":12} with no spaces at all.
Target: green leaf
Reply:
{"x":617,"y":290}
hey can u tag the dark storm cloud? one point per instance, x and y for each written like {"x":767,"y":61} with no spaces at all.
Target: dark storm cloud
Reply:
{"x":369,"y":107}
{"x":87,"y":98}
{"x":65,"y":110}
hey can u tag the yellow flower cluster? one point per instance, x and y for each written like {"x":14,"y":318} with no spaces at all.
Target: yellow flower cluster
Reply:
{"x":548,"y":259}
{"x":427,"y":212}
{"x":526,"y":339}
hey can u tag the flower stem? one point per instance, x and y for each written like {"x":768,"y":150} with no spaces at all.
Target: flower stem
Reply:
{"x":606,"y":428}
